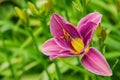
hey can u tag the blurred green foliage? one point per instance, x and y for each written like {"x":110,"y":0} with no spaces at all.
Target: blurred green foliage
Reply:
{"x":19,"y":56}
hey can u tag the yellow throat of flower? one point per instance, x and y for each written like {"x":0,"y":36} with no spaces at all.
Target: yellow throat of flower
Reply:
{"x":78,"y":45}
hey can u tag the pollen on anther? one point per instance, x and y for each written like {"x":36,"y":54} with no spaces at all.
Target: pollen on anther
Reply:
{"x":66,"y":35}
{"x":61,"y":36}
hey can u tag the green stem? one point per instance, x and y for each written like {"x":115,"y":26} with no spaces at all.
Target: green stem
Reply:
{"x":47,"y":72}
{"x":116,"y":62}
{"x":8,"y":59}
{"x":60,"y":77}
{"x":66,"y":13}
{"x":37,"y":49}
{"x":84,"y":7}
{"x":86,"y":77}
{"x":83,"y":2}
{"x":35,"y":43}
{"x":29,"y":39}
{"x":78,"y":60}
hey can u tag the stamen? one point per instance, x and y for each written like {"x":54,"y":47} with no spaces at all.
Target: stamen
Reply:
{"x":66,"y":35}
{"x":61,"y":36}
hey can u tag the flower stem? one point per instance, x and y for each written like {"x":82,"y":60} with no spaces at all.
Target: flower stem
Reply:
{"x":66,"y":13}
{"x":78,"y":60}
{"x":36,"y":47}
{"x":60,"y":77}
{"x":116,"y":62}
{"x":83,"y":2}
{"x":84,"y":7}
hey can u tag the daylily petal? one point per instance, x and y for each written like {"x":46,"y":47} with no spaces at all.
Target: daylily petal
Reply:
{"x":62,"y":31}
{"x":95,"y":62}
{"x":50,"y":47}
{"x":94,"y":17}
{"x":87,"y":32}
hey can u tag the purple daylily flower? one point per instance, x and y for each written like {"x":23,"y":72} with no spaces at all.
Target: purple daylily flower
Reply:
{"x":74,"y":41}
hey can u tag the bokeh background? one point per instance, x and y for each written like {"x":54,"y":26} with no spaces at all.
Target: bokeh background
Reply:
{"x":24,"y":26}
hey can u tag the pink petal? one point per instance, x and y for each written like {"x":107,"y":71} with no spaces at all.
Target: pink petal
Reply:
{"x":58,"y":28}
{"x":50,"y":47}
{"x":53,"y":50}
{"x":94,"y":17}
{"x":88,"y":24}
{"x":87,"y":32}
{"x":95,"y":62}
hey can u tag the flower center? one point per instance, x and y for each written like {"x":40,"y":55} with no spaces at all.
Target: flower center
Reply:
{"x":77,"y":44}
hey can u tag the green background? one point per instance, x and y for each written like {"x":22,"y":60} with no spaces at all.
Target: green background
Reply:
{"x":20,"y":40}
